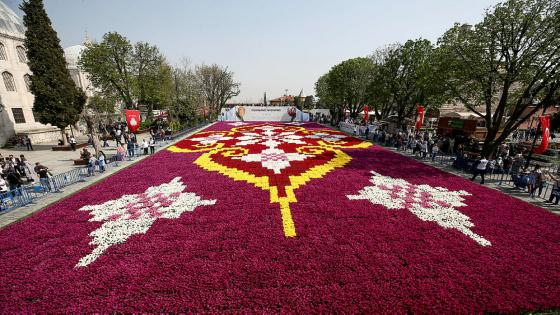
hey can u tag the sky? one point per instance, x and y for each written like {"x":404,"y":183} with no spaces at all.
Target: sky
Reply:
{"x":270,"y":45}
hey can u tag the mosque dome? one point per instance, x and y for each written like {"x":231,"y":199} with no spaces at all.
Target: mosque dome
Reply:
{"x":10,"y":23}
{"x":72,"y":55}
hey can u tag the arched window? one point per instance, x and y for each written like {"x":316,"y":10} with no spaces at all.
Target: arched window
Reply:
{"x":22,"y":54}
{"x":3,"y":55}
{"x":27,"y":79}
{"x":9,"y":81}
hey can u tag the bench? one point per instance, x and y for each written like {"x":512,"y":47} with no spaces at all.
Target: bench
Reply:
{"x":80,"y":162}
{"x":68,"y":147}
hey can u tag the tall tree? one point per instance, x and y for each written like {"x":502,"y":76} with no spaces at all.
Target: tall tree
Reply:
{"x":150,"y":70}
{"x":379,"y":95}
{"x":186,"y":95}
{"x":504,"y":64}
{"x":217,"y":85}
{"x":348,"y":82}
{"x":409,"y":79}
{"x":327,"y":99}
{"x":57,"y":99}
{"x":309,"y":102}
{"x":111,"y":66}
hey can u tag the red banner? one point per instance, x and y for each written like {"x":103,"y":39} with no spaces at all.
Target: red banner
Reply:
{"x":420,"y":118}
{"x":366,"y":114}
{"x":545,"y":127}
{"x":132,"y":119}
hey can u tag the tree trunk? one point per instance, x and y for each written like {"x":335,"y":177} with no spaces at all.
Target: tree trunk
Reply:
{"x":63,"y":133}
{"x":490,"y":143}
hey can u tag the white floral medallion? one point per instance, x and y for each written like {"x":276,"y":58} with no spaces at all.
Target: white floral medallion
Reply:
{"x":135,"y":214}
{"x":435,"y":204}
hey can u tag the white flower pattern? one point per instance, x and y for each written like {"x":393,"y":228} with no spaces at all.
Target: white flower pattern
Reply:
{"x":135,"y":214}
{"x":428,"y":203}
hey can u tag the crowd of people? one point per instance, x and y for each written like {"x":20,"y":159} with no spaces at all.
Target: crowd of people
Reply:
{"x":17,"y":171}
{"x":509,"y":159}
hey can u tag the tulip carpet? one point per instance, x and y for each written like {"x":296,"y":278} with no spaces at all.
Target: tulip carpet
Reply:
{"x":282,"y":217}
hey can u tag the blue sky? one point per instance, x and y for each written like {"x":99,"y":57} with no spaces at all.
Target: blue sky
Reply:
{"x":270,"y":45}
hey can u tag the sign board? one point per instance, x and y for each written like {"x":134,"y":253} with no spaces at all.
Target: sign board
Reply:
{"x":456,"y":123}
{"x":264,"y":113}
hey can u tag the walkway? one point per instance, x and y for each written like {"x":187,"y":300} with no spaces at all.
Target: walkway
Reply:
{"x":61,"y":162}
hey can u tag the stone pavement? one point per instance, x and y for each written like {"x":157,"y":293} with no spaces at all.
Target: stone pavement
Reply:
{"x":61,"y":162}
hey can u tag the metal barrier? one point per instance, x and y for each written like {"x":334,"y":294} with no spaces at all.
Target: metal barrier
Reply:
{"x":23,"y":196}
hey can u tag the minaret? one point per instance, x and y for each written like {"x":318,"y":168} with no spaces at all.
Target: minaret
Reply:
{"x":264,"y":98}
{"x":87,"y":40}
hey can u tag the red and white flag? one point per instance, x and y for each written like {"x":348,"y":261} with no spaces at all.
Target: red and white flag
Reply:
{"x":132,"y":119}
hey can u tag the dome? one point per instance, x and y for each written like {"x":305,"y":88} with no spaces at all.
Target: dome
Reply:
{"x":72,"y":55}
{"x":10,"y":23}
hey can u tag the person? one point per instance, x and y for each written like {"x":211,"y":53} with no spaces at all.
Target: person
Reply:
{"x":3,"y":185}
{"x":152,"y":146}
{"x":480,"y":169}
{"x":13,"y":178}
{"x":118,"y":135}
{"x":121,"y":152}
{"x":91,"y":165}
{"x":73,"y":143}
{"x":130,"y":148}
{"x":85,"y":155}
{"x":435,"y":150}
{"x":424,"y":149}
{"x":105,"y":137}
{"x":145,"y":146}
{"x":28,"y":143}
{"x":555,"y":194}
{"x":367,"y":132}
{"x":537,"y":181}
{"x":101,"y":161}
{"x":43,"y":173}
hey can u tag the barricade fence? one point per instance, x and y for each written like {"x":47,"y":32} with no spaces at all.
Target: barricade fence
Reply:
{"x":25,"y":195}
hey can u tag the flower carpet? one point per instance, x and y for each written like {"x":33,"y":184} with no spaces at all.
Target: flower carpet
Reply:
{"x":289,"y":217}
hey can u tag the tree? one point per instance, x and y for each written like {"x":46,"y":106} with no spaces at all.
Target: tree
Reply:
{"x":57,"y":99}
{"x":504,"y":64}
{"x":327,"y":99}
{"x":309,"y":102}
{"x":152,"y":75}
{"x":186,"y":95}
{"x":111,"y":66}
{"x":347,"y":82}
{"x":379,"y":96}
{"x":403,"y":78}
{"x":217,"y":86}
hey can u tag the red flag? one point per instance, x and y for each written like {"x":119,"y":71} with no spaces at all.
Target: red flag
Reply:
{"x":132,"y":119}
{"x":366,"y":114}
{"x":420,"y":119}
{"x":545,"y":127}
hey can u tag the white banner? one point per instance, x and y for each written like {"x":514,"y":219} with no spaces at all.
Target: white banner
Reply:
{"x":264,"y":113}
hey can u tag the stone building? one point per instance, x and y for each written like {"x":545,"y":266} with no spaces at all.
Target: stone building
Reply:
{"x":16,"y":109}
{"x":16,"y":100}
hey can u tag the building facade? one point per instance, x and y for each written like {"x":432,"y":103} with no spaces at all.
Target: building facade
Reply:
{"x":16,"y":100}
{"x":16,"y":109}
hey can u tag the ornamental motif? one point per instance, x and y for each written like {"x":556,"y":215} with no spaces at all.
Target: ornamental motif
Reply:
{"x":135,"y":214}
{"x":276,"y":157}
{"x":428,"y":203}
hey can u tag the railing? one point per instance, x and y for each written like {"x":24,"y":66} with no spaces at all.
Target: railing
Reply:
{"x":503,"y":177}
{"x":25,"y":195}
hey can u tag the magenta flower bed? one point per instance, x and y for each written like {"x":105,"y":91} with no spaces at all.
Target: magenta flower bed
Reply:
{"x":204,"y":238}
